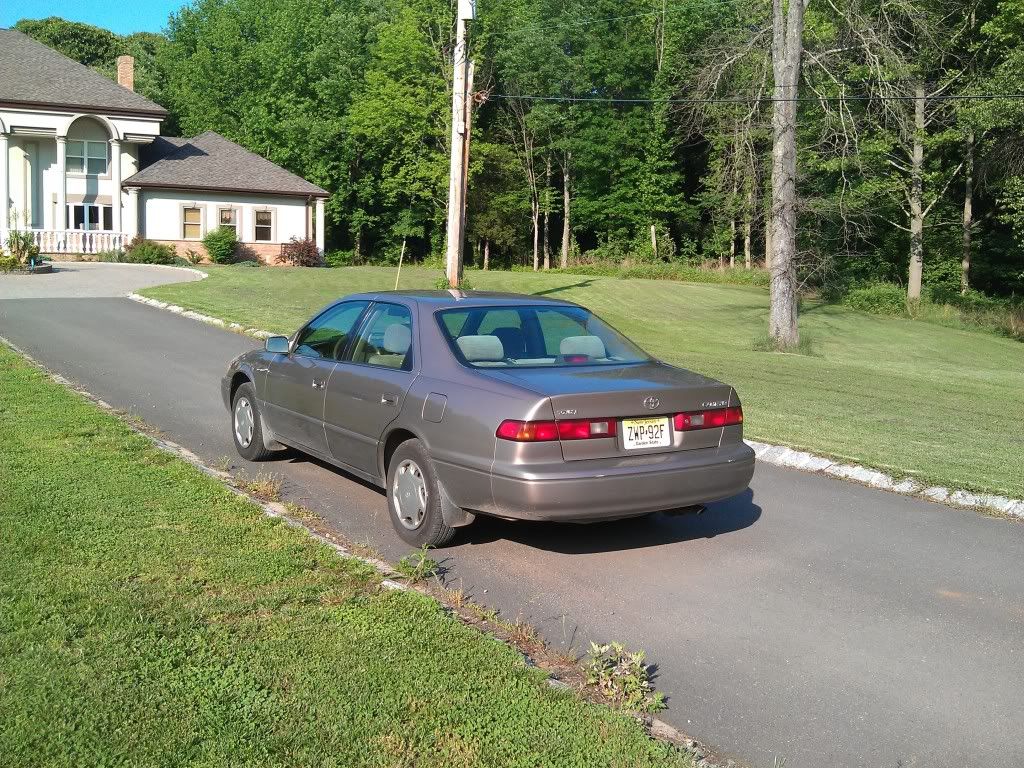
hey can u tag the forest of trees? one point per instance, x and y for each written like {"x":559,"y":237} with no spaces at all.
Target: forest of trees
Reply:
{"x":637,"y":130}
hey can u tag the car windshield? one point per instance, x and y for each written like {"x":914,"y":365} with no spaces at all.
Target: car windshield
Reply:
{"x":532,"y":337}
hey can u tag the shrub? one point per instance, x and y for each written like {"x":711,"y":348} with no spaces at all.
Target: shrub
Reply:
{"x":220,"y":244}
{"x":878,"y":299}
{"x":115,"y":255}
{"x":194,"y":257}
{"x":301,"y":253}
{"x":22,"y":246}
{"x":8,"y":263}
{"x":141,"y":251}
{"x":339,"y":259}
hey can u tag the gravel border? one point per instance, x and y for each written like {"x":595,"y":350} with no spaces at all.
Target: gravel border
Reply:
{"x":776,"y":455}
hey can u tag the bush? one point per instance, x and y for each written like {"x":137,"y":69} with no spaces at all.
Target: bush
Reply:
{"x":141,"y":251}
{"x":115,"y":255}
{"x":9,"y":263}
{"x":220,"y":244}
{"x":878,"y":299}
{"x":22,"y":246}
{"x":340,"y":259}
{"x":194,"y":257}
{"x":301,"y":253}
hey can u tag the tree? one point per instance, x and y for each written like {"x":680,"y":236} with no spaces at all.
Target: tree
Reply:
{"x":787,"y":52}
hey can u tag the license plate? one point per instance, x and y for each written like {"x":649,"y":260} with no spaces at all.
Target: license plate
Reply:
{"x":645,"y":433}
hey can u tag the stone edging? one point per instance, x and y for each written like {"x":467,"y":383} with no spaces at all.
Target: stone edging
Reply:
{"x":656,"y":728}
{"x":776,"y":455}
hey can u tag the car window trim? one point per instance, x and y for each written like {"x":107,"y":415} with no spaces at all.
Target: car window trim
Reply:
{"x":330,"y":308}
{"x":364,"y":321}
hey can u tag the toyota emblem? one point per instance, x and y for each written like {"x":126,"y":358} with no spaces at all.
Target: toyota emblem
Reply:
{"x":650,"y":403}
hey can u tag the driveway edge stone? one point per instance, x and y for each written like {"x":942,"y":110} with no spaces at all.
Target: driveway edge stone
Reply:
{"x":776,"y":455}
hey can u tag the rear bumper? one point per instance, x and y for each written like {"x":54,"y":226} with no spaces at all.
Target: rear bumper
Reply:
{"x":604,"y":490}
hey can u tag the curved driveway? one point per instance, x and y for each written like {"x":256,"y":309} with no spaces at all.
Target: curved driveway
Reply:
{"x":809,"y":618}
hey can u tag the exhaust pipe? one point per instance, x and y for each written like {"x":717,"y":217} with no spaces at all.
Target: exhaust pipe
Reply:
{"x":696,"y":509}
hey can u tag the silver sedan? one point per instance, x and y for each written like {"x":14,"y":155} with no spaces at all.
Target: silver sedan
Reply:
{"x":460,"y":404}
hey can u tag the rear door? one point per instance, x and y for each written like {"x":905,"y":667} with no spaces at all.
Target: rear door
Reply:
{"x":367,"y":389}
{"x":297,"y":382}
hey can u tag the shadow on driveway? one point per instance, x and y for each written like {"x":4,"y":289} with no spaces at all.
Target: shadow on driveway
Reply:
{"x":731,"y":515}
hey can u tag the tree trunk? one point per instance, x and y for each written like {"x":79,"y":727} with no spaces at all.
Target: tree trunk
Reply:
{"x":547,"y":212}
{"x":768,"y":245}
{"x":566,"y":228}
{"x":787,"y":52}
{"x":535,"y":217}
{"x":487,"y":255}
{"x":965,"y":264}
{"x":748,"y":227}
{"x":654,"y":241}
{"x":732,"y":243}
{"x":917,"y":199}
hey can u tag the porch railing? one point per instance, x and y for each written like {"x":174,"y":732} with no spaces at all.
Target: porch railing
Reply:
{"x":76,"y":241}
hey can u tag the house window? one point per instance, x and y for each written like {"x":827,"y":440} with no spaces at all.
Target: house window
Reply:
{"x":264,"y":226}
{"x":91,"y":217}
{"x":228,"y":218}
{"x":89,"y":157}
{"x":192,"y":223}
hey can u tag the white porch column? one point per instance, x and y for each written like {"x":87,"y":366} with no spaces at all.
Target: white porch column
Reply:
{"x":61,"y":222}
{"x":131,"y":215}
{"x":320,"y":224}
{"x":5,"y":192}
{"x":115,"y":176}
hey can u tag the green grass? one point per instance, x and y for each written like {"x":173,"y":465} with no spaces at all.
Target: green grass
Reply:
{"x":944,"y":405}
{"x":150,"y":617}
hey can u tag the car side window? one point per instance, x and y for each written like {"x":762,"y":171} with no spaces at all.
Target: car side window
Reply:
{"x":328,"y":335}
{"x":385,"y":339}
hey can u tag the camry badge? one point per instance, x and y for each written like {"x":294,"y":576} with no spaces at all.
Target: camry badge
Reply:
{"x":650,"y":403}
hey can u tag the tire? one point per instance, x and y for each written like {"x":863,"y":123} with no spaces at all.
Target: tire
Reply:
{"x":247,"y":425}
{"x":414,"y":500}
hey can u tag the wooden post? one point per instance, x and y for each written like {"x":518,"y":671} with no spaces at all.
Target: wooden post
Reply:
{"x":456,"y":180}
{"x":401,"y":258}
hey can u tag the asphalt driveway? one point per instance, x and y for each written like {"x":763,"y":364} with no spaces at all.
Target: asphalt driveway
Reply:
{"x":809,"y":618}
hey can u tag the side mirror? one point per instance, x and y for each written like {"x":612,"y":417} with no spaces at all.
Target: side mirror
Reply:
{"x":279,"y":345}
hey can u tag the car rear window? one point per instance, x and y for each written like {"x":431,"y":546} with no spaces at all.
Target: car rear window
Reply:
{"x":534,"y":336}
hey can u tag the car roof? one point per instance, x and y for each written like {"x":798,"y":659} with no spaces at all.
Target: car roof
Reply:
{"x":456,"y":298}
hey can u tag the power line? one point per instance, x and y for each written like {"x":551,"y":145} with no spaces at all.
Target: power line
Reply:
{"x":760,"y":99}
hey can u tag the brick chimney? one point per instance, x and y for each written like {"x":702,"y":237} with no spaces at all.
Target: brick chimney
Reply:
{"x":126,"y":72}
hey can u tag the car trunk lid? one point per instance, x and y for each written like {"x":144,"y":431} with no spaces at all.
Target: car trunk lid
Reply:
{"x":626,"y":394}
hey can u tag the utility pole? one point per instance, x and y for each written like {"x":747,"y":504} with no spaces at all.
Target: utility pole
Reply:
{"x":459,"y":159}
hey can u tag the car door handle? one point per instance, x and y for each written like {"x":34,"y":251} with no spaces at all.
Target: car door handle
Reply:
{"x":319,"y":383}
{"x":389,"y":399}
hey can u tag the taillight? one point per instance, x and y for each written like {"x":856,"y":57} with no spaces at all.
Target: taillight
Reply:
{"x":719,"y":417}
{"x":545,"y":431}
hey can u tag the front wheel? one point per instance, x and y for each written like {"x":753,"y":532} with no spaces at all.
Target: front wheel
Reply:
{"x":246,"y":425}
{"x":414,"y":499}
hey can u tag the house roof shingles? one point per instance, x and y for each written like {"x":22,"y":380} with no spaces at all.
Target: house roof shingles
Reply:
{"x":31,"y":74}
{"x":211,"y":162}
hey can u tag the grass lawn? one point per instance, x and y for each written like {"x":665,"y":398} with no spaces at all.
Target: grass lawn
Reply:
{"x":941,"y":404}
{"x":150,"y":617}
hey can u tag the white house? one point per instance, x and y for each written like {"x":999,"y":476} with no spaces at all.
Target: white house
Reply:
{"x":84,"y":168}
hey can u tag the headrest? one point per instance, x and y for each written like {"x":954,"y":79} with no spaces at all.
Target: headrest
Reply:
{"x":512,"y":339}
{"x":591,"y":346}
{"x":397,"y":339}
{"x":480,"y":348}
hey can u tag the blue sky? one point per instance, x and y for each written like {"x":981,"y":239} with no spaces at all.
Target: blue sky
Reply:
{"x":121,"y":16}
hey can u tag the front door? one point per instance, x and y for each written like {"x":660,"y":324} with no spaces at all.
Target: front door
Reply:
{"x":297,"y":382}
{"x":366,"y":391}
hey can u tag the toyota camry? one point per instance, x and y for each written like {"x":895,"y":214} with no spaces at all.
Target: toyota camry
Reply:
{"x":467,"y":403}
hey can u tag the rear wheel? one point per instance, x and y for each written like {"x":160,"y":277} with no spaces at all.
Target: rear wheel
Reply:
{"x":414,"y":499}
{"x":246,"y":427}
